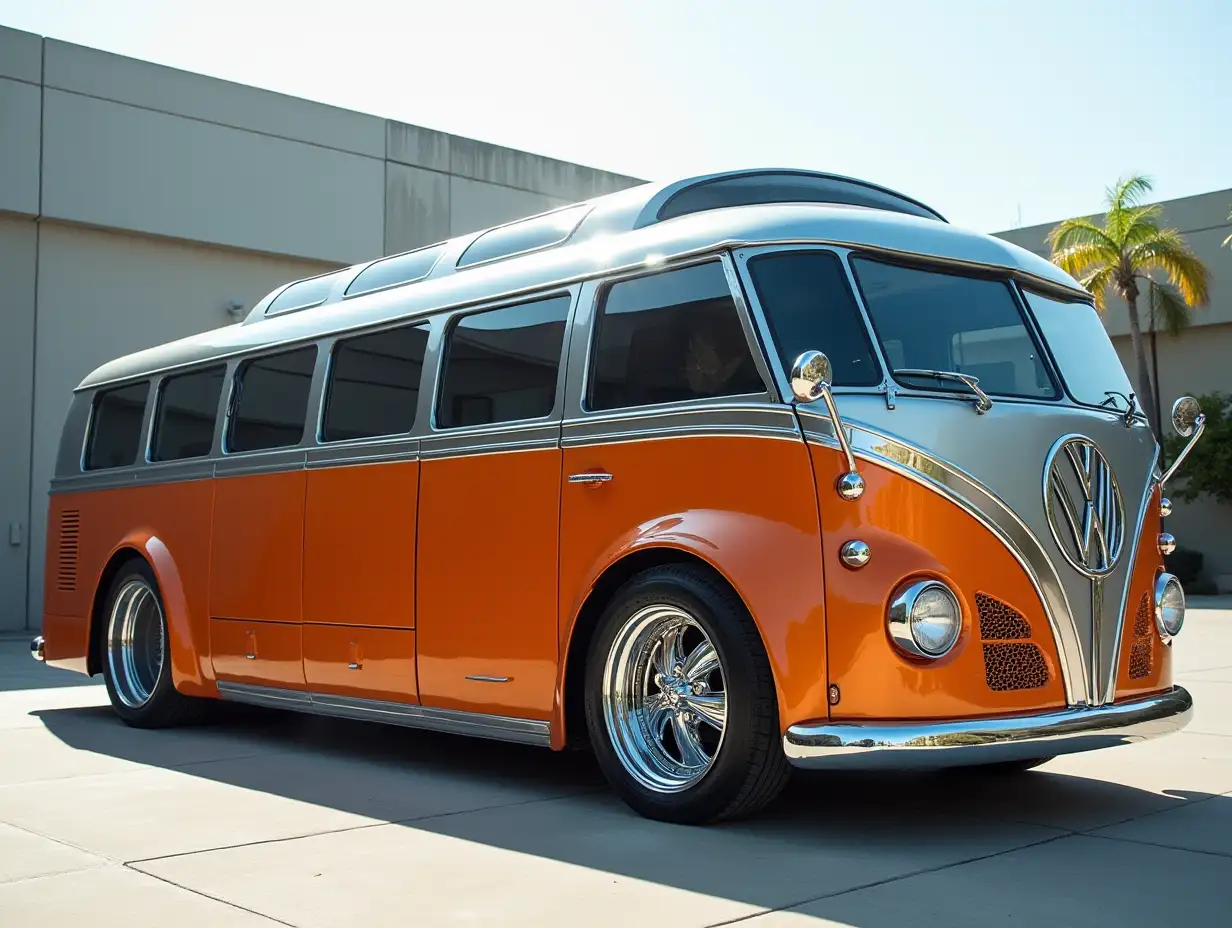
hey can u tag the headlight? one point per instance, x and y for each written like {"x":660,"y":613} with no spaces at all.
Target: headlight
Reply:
{"x":1169,"y":606}
{"x":925,"y":618}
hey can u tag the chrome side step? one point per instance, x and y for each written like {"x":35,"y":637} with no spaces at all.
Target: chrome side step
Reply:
{"x":475,"y":724}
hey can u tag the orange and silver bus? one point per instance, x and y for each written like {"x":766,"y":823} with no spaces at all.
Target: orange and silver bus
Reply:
{"x":719,"y":477}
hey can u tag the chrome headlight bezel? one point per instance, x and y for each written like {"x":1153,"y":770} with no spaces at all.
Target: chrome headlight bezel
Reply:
{"x":1163,"y":583}
{"x":902,"y":628}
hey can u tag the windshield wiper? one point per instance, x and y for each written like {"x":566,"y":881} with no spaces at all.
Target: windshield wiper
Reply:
{"x":1131,"y":408}
{"x":982,"y":402}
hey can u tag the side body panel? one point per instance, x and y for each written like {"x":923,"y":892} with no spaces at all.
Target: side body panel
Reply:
{"x":372,"y":663}
{"x":486,"y":601}
{"x":743,"y":504}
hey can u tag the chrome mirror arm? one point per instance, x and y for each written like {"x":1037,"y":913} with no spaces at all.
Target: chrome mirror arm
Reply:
{"x":811,"y":377}
{"x":1199,"y":426}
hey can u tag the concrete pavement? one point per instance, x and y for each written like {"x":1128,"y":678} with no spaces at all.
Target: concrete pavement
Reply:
{"x":266,"y":818}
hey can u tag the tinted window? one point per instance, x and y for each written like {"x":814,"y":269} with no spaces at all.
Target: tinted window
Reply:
{"x":527,"y":235}
{"x":302,"y":295}
{"x":929,"y":320}
{"x":788,"y":188}
{"x":374,"y":384}
{"x":810,"y":306}
{"x":668,"y":338}
{"x":400,"y":269}
{"x":187,"y":408}
{"x":115,"y":435}
{"x":1089,"y":364}
{"x":501,"y":365}
{"x":271,"y":401}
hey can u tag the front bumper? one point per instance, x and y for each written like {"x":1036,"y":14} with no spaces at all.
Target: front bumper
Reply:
{"x":985,"y":741}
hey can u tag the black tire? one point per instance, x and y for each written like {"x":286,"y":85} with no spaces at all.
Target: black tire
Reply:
{"x":165,"y":707}
{"x":749,"y":768}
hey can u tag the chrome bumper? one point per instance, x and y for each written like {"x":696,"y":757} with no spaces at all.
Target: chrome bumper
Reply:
{"x":36,"y":648}
{"x":985,"y":741}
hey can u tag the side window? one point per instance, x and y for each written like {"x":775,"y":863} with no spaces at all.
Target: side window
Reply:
{"x":502,"y":365}
{"x":187,"y":408}
{"x":373,"y":385}
{"x":809,"y":306}
{"x":115,"y":432}
{"x":270,"y":403}
{"x":667,"y":338}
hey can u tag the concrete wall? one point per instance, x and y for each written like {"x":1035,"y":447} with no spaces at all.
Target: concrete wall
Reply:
{"x":138,"y":201}
{"x":1197,"y":361}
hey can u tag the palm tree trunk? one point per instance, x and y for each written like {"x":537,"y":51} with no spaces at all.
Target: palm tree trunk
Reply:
{"x":1146,"y":394}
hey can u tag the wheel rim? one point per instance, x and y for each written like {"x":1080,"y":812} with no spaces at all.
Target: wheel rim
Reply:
{"x":135,"y":643}
{"x":665,"y":699}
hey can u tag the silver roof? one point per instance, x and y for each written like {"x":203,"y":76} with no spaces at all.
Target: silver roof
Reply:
{"x":619,"y":232}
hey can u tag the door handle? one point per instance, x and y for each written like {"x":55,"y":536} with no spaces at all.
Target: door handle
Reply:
{"x":593,"y":478}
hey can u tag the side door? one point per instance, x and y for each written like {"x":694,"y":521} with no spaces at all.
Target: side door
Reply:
{"x":674,"y":439}
{"x":489,"y":514}
{"x":257,"y":547}
{"x":359,"y":519}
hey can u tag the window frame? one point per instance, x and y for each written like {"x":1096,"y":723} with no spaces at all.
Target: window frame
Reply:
{"x":438,"y":356}
{"x":440,"y":249}
{"x":143,"y":437}
{"x":235,"y":390}
{"x":583,"y":210}
{"x":1003,"y":276}
{"x":152,"y":436}
{"x":753,"y":335}
{"x":327,"y":351}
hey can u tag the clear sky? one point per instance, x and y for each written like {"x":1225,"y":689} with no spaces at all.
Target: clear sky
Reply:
{"x":981,"y":109}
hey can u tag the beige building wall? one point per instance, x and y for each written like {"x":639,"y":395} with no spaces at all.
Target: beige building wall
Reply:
{"x":1197,"y":361}
{"x":138,"y":203}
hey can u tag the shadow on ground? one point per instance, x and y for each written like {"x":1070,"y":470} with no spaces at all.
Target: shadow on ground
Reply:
{"x":827,"y":830}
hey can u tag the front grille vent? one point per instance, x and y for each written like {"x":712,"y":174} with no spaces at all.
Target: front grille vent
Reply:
{"x":1141,"y":652}
{"x":66,"y":564}
{"x":1010,"y":662}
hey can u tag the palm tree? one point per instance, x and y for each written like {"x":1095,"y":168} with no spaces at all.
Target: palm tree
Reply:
{"x":1123,"y":255}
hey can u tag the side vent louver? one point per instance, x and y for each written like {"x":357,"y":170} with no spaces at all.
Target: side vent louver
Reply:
{"x":1010,"y":663}
{"x":66,"y":564}
{"x":1141,"y":652}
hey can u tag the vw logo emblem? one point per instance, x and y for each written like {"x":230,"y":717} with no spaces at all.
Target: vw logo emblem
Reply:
{"x":1083,"y":503}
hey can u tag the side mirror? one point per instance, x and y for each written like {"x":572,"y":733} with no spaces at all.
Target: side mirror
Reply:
{"x":1185,"y":413}
{"x":811,"y":376}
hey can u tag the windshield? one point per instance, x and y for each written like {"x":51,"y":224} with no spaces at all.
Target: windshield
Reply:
{"x":935,"y":321}
{"x":1084,"y":354}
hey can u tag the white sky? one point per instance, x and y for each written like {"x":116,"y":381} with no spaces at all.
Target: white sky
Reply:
{"x":980,"y":109}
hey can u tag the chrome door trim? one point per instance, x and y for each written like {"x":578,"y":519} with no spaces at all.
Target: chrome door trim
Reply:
{"x":453,"y":721}
{"x":987,"y":508}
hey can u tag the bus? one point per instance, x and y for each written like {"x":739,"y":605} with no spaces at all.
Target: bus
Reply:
{"x":718,"y":478}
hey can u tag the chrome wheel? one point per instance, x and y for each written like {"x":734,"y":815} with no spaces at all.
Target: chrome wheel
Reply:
{"x":135,"y":643}
{"x":664,"y":698}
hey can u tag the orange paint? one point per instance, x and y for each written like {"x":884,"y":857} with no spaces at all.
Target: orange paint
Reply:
{"x":372,"y":663}
{"x":359,"y":545}
{"x":745,"y":505}
{"x":486,"y":596}
{"x":915,"y":532}
{"x":257,"y":555}
{"x":257,"y":652}
{"x":1147,"y":566}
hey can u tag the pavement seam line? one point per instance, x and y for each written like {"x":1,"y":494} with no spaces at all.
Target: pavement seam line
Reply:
{"x":101,"y":865}
{"x":1167,"y":847}
{"x":61,"y":841}
{"x":340,"y":831}
{"x":197,"y":892}
{"x":892,"y":879}
{"x":1090,"y":832}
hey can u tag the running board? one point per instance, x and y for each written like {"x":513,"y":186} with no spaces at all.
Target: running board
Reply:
{"x":454,"y":721}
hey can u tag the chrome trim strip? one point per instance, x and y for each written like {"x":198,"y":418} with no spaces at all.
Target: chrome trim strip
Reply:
{"x":453,"y":721}
{"x":989,"y":740}
{"x":1115,"y":669}
{"x":372,"y":451}
{"x":993,"y":513}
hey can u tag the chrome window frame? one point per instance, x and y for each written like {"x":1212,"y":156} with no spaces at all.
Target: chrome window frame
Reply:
{"x":587,"y":322}
{"x":312,"y":402}
{"x":92,"y":420}
{"x":147,"y":457}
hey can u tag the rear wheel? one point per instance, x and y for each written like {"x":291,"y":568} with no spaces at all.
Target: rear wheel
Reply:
{"x":680,"y":700}
{"x":137,"y":654}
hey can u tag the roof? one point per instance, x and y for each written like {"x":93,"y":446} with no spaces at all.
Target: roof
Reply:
{"x":616,"y":232}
